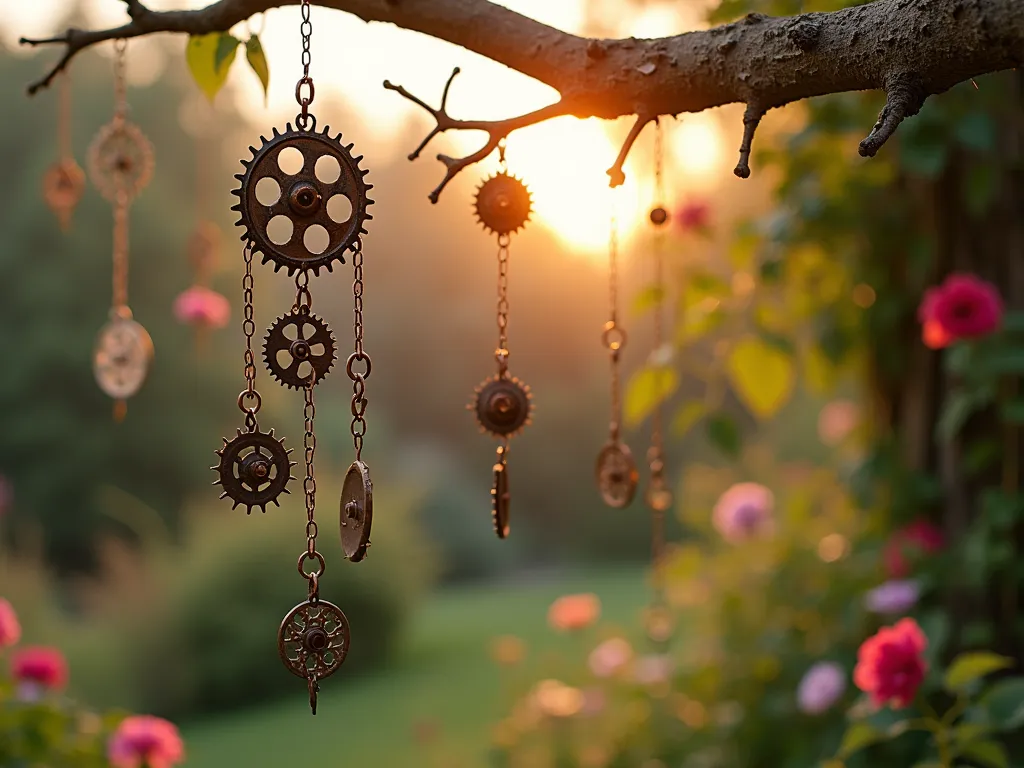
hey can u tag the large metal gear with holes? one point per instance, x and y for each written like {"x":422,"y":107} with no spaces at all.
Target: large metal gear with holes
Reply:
{"x":503,"y":204}
{"x":314,"y":639}
{"x":304,"y":198}
{"x":502,"y":406}
{"x":254,"y":469}
{"x":296,"y":345}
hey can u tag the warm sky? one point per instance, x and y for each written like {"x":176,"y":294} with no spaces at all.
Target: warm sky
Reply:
{"x":564,"y":160}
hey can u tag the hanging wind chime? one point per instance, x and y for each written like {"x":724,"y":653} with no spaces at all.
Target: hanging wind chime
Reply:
{"x":502,"y":403}
{"x":302,"y":204}
{"x":120,"y":166}
{"x":616,"y":471}
{"x":64,"y":182}
{"x":658,"y":496}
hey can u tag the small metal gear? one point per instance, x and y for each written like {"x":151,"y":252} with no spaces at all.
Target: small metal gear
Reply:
{"x":124,"y":351}
{"x":254,"y":469}
{"x":617,"y":475}
{"x":62,"y":189}
{"x":501,"y":498}
{"x":302,"y":199}
{"x":314,"y":639}
{"x":120,"y":160}
{"x":503,"y":204}
{"x":503,"y":406}
{"x":295,"y":345}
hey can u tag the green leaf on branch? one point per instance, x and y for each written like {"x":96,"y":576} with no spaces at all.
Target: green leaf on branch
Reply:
{"x":724,"y":434}
{"x":969,"y":667}
{"x":257,"y":59}
{"x":988,"y":753}
{"x":858,"y":736}
{"x":647,"y":389}
{"x":687,"y":417}
{"x":209,"y":59}
{"x":1003,"y":704}
{"x":967,"y":733}
{"x":762,"y":376}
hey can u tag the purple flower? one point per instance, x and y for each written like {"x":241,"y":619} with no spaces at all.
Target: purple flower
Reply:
{"x":744,"y":511}
{"x":821,"y":687}
{"x":893,"y":597}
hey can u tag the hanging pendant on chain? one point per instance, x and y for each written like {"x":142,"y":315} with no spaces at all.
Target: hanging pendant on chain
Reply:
{"x":64,"y":182}
{"x":120,"y":166}
{"x":502,"y":404}
{"x":615,"y":469}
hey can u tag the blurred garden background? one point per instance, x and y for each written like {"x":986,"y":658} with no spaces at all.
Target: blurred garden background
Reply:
{"x":842,"y":452}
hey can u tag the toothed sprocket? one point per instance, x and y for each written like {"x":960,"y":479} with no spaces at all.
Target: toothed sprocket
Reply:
{"x":503,"y":204}
{"x":302,"y":199}
{"x":254,"y":469}
{"x":296,"y":345}
{"x":503,"y":405}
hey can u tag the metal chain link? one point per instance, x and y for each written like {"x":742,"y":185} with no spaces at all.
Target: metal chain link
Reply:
{"x":303,"y":298}
{"x":305,"y":97}
{"x":249,"y":330}
{"x":120,"y":88}
{"x":64,"y":116}
{"x":309,"y":490}
{"x":501,"y":353}
{"x":359,"y":401}
{"x":120,"y":271}
{"x":614,"y":337}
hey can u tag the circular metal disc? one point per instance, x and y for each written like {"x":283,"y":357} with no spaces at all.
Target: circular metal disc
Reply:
{"x":122,"y":356}
{"x":254,"y":469}
{"x":356,"y":511}
{"x":120,"y":160}
{"x":503,"y":406}
{"x":314,"y":639}
{"x":617,"y":475}
{"x":501,"y":501}
{"x":296,"y":345}
{"x":503,"y":204}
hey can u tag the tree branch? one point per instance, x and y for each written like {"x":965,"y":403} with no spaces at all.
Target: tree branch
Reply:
{"x":911,"y":49}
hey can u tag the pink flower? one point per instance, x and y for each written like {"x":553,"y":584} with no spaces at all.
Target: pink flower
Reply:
{"x":837,"y":420}
{"x":893,"y":597}
{"x":821,"y":687}
{"x":890,"y":664}
{"x":920,"y":537}
{"x":743,"y":511}
{"x":963,"y":307}
{"x":574,"y":612}
{"x":144,"y":741}
{"x":653,"y":670}
{"x":10,"y":629}
{"x":201,"y":306}
{"x":40,"y":667}
{"x":693,"y":215}
{"x":610,"y":657}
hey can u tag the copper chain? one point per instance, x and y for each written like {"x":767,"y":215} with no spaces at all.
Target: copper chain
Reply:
{"x":121,"y":202}
{"x":64,"y":116}
{"x":501,"y":353}
{"x":359,"y":401}
{"x":249,"y":330}
{"x":613,"y":337}
{"x":120,"y":93}
{"x":305,"y":97}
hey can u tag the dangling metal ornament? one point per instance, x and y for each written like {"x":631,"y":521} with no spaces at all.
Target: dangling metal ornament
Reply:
{"x":356,"y":514}
{"x":313,"y":641}
{"x":120,"y":165}
{"x":254,"y":469}
{"x":502,"y":404}
{"x":503,"y":204}
{"x":295,"y":345}
{"x":64,"y":182}
{"x":123,"y":353}
{"x":617,"y":476}
{"x":303,"y":199}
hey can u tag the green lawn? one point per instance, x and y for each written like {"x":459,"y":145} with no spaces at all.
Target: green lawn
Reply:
{"x":445,"y":677}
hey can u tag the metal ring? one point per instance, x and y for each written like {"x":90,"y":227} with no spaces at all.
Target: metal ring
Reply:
{"x":613,"y":337}
{"x":247,"y":395}
{"x":315,"y":556}
{"x":308,"y":82}
{"x":358,"y":357}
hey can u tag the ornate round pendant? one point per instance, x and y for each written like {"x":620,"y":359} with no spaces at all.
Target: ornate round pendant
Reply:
{"x":302,"y":200}
{"x":617,"y":475}
{"x":314,"y":639}
{"x":503,"y":406}
{"x":122,"y":356}
{"x":120,"y":161}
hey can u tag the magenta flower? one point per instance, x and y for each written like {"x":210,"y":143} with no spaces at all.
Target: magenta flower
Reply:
{"x":744,"y":511}
{"x":201,"y":306}
{"x":694,"y":215}
{"x":821,"y":687}
{"x":610,"y":657}
{"x":10,"y":629}
{"x":893,"y":598}
{"x":37,"y":668}
{"x":919,"y":538}
{"x":144,"y":741}
{"x":837,"y":420}
{"x":963,"y":307}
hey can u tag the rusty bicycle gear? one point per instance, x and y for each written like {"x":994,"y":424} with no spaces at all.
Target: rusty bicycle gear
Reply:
{"x":503,"y":406}
{"x":331,"y":197}
{"x":617,"y":475}
{"x":295,"y":345}
{"x":124,"y":351}
{"x":254,"y":469}
{"x":356,"y":514}
{"x":314,"y":639}
{"x":503,"y":204}
{"x":120,"y":160}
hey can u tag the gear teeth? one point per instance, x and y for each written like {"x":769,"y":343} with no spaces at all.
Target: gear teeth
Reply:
{"x":276,"y":132}
{"x":224,"y":496}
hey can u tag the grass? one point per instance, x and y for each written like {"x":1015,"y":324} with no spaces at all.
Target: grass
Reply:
{"x":444,"y":682}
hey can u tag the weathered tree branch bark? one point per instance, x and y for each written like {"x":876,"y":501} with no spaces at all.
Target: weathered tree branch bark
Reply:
{"x":911,"y":49}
